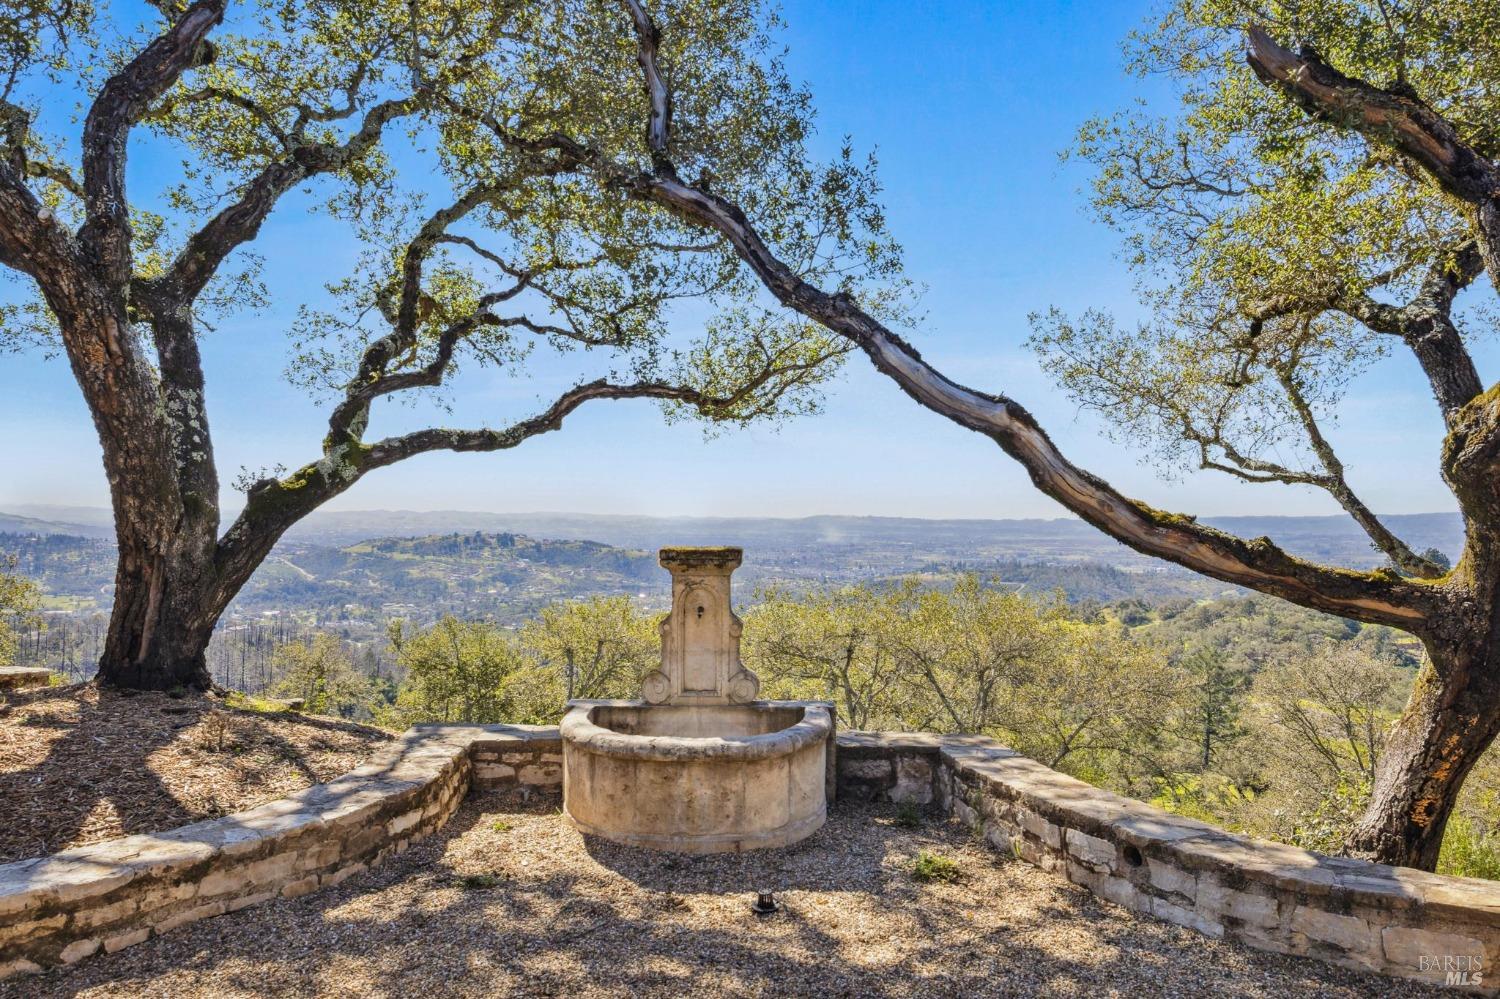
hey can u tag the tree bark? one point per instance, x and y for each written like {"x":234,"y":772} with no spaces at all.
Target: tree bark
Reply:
{"x":159,"y":630}
{"x":1450,"y":720}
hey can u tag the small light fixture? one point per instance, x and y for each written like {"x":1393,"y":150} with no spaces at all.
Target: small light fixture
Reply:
{"x":765,"y":903}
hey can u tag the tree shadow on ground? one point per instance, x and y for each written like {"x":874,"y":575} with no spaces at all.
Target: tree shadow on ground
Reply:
{"x":468,"y":912}
{"x":102,"y":762}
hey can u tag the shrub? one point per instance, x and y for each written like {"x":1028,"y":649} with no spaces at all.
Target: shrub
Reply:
{"x":474,"y":881}
{"x":1469,"y":851}
{"x":935,"y":867}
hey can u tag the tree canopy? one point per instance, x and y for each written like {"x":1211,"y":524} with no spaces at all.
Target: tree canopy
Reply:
{"x":449,"y":139}
{"x":1278,"y":257}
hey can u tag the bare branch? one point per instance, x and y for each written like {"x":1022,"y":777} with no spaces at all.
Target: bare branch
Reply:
{"x":1425,"y":323}
{"x":240,"y":222}
{"x":272,"y":505}
{"x":250,"y":107}
{"x":1337,"y":485}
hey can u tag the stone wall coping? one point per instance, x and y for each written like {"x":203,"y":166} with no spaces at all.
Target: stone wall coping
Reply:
{"x":22,"y":677}
{"x":858,"y":743}
{"x":579,"y":729}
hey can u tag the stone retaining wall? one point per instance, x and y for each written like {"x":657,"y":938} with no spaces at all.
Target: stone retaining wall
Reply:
{"x":1396,"y":921}
{"x":23,"y":677}
{"x":107,"y":896}
{"x":1391,"y":920}
{"x":524,"y":755}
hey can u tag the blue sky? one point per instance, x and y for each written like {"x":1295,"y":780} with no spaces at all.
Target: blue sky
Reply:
{"x":968,"y":105}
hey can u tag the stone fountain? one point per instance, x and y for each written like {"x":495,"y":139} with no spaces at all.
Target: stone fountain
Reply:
{"x":698,"y":765}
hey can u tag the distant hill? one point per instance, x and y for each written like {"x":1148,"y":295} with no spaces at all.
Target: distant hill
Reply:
{"x":1335,"y":539}
{"x":887,"y":544}
{"x":14,"y":523}
{"x":505,"y":576}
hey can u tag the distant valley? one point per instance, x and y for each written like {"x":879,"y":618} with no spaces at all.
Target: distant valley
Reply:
{"x":352,"y":572}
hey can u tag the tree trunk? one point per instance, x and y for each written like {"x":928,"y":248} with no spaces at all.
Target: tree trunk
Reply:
{"x":1451,"y":718}
{"x":164,"y":614}
{"x":158,"y":458}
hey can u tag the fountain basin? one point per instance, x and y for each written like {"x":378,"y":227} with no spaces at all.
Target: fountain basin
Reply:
{"x":697,"y":778}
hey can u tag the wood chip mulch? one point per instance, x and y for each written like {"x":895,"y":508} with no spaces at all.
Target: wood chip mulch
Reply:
{"x":81,"y":764}
{"x":510,"y":901}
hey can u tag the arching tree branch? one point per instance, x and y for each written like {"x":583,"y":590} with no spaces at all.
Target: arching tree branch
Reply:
{"x":1258,"y":564}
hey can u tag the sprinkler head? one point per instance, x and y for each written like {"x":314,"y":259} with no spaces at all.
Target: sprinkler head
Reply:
{"x":765,"y":903}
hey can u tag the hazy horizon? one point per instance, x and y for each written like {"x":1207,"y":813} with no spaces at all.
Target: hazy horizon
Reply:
{"x":36,"y":511}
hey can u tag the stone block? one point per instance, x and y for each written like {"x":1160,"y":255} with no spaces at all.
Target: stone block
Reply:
{"x":106,"y":913}
{"x":1218,"y":901}
{"x":223,"y":882}
{"x":19,"y":967}
{"x":78,"y":950}
{"x":1254,"y":910}
{"x":867,"y":769}
{"x":1431,"y":955}
{"x":1097,"y":853}
{"x":913,"y":780}
{"x":300,"y":887}
{"x":1110,"y":888}
{"x":1174,"y":913}
{"x":401,"y":823}
{"x":1049,"y":833}
{"x":1347,"y":933}
{"x":1168,"y":878}
{"x":343,"y":874}
{"x":493,"y":771}
{"x":192,"y":915}
{"x":540,"y":773}
{"x":123,"y":940}
{"x":162,"y":895}
{"x":321,"y":856}
{"x":246,"y":901}
{"x":272,"y":869}
{"x":1031,"y":851}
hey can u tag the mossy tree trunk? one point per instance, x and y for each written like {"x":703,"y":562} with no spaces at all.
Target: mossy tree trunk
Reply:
{"x":1452,"y":717}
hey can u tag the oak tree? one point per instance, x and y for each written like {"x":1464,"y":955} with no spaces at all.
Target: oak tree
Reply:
{"x":423,"y":129}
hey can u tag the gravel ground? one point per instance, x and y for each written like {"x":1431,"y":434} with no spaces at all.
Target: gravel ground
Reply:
{"x":510,"y":901}
{"x":80,"y":765}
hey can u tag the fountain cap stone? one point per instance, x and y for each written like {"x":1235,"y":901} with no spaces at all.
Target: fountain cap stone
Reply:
{"x":706,"y":556}
{"x":700,"y":638}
